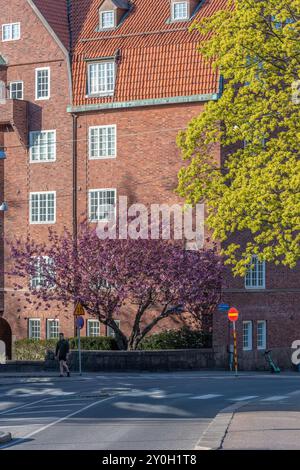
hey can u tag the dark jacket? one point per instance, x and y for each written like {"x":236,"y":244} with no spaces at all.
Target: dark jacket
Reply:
{"x":62,"y":349}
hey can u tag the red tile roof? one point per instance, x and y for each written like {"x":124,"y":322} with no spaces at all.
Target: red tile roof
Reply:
{"x":55,"y":13}
{"x":159,"y":59}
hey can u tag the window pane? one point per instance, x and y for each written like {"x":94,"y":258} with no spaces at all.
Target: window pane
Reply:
{"x":52,"y":329}
{"x":43,"y":146}
{"x":103,"y":142}
{"x":34,"y":329}
{"x":102,"y":205}
{"x":42,"y":85}
{"x":42,"y":207}
{"x":180,"y":10}
{"x":16,"y":31}
{"x":110,"y":331}
{"x":16,"y":90}
{"x":93,"y":328}
{"x":101,"y":78}
{"x":255,"y":276}
{"x":247,"y":335}
{"x":6,"y":32}
{"x":261,"y":334}
{"x":107,"y":19}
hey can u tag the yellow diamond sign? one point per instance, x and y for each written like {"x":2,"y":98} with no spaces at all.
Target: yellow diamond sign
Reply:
{"x":79,"y":310}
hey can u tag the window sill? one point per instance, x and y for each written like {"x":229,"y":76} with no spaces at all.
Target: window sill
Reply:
{"x":42,"y":223}
{"x":99,"y":95}
{"x":42,"y":161}
{"x":103,"y":158}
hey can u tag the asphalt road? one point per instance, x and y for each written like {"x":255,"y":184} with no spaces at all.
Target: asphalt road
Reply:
{"x":145,"y":411}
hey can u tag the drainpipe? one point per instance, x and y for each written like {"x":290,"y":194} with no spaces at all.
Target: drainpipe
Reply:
{"x":74,"y":184}
{"x":74,"y":190}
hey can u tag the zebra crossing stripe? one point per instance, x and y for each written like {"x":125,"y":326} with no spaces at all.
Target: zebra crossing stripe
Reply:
{"x":205,"y":397}
{"x":248,"y":397}
{"x":275,"y":398}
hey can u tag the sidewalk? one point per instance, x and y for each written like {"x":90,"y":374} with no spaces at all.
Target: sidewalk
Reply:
{"x":265,"y":426}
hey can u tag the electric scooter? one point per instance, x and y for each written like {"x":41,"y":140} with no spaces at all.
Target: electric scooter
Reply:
{"x":273,"y":367}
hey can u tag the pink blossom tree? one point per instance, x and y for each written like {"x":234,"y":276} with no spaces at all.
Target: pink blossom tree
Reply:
{"x":107,"y":276}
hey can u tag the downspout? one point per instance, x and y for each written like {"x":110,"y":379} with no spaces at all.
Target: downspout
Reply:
{"x":74,"y":184}
{"x":74,"y":192}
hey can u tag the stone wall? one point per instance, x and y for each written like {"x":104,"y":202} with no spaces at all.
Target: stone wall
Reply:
{"x":255,"y":360}
{"x":168,"y":360}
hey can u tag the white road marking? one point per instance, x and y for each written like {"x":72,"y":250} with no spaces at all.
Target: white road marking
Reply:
{"x":248,"y":397}
{"x":37,"y":411}
{"x":53,"y":423}
{"x":22,"y":406}
{"x":205,"y":397}
{"x":54,"y":405}
{"x":275,"y":398}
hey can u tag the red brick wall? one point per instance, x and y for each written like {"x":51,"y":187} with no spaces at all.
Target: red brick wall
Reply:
{"x":22,"y":177}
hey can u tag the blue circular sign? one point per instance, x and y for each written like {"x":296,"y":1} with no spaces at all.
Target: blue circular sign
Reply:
{"x":80,"y":322}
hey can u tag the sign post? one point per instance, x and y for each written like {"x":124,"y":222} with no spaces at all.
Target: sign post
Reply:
{"x":78,"y":314}
{"x":233,"y":316}
{"x":80,"y":324}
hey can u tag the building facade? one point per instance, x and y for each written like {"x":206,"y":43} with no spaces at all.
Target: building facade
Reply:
{"x":107,"y":86}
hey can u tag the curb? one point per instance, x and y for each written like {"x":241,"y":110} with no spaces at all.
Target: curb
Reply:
{"x":5,"y":437}
{"x":213,"y":437}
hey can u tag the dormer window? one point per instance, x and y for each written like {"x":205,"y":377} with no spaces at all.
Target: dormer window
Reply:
{"x":112,"y":13}
{"x":101,"y":78}
{"x":107,"y":19}
{"x":180,"y":11}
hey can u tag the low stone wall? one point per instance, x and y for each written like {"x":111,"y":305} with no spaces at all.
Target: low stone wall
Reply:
{"x":254,"y":360}
{"x":166,"y":360}
{"x":22,"y":366}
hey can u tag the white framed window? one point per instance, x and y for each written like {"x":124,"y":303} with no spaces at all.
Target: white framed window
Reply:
{"x":42,"y":146}
{"x":107,"y":19}
{"x":52,"y":329}
{"x":101,"y":78}
{"x":102,"y":205}
{"x":34,"y":328}
{"x":247,"y":335}
{"x":102,"y":142}
{"x":256,"y":274}
{"x":16,"y":90}
{"x":42,"y":207}
{"x":180,"y":11}
{"x":110,"y":331}
{"x":38,"y":279}
{"x":93,"y":328}
{"x":42,"y":83}
{"x":11,"y":32}
{"x":261,"y":334}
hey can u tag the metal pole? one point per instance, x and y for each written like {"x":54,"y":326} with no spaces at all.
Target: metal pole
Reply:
{"x":235,"y":350}
{"x":79,"y":351}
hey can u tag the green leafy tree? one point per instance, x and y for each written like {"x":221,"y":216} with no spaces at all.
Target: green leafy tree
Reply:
{"x":253,"y":193}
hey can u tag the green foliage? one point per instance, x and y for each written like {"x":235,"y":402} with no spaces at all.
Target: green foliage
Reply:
{"x":97,"y":343}
{"x":184,"y":338}
{"x":253,"y":196}
{"x":35,"y":350}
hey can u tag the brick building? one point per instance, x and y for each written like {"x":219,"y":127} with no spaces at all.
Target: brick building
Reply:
{"x":137,"y":79}
{"x":36,"y":133}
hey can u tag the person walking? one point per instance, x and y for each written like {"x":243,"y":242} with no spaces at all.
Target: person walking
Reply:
{"x":61,"y":354}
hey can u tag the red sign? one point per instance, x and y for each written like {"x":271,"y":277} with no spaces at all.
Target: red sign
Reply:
{"x":233,"y":314}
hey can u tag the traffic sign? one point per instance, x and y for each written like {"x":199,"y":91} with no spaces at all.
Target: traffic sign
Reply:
{"x":80,"y":322}
{"x":223,"y":307}
{"x":79,"y":310}
{"x":233,"y":314}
